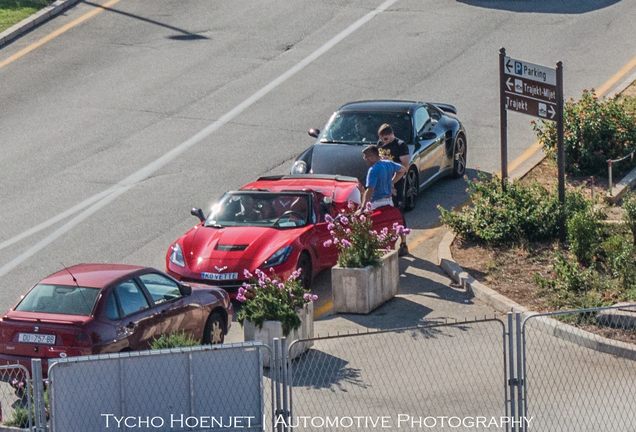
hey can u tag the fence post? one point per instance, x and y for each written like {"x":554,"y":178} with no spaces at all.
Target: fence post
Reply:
{"x":521,"y":382}
{"x":38,"y":397}
{"x":609,"y":167}
{"x":283,"y":375}
{"x":511,"y":365}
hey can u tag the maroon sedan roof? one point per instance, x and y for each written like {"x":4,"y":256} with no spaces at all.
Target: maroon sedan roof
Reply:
{"x":90,"y":275}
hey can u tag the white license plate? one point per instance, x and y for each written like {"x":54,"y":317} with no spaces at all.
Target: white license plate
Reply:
{"x":36,"y":338}
{"x":219,"y":276}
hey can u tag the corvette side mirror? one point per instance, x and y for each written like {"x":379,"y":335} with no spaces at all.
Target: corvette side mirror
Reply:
{"x":314,"y":132}
{"x":198,"y":213}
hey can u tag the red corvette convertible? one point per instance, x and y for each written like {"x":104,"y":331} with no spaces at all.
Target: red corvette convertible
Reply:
{"x":108,"y":308}
{"x":273,"y":223}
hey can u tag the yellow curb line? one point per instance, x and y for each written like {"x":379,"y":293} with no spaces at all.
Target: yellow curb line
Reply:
{"x":56,"y":33}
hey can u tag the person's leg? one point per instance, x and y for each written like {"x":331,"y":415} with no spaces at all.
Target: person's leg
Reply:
{"x":398,"y":201}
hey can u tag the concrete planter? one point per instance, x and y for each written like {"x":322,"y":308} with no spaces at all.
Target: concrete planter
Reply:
{"x":361,"y":290}
{"x":274,"y":329}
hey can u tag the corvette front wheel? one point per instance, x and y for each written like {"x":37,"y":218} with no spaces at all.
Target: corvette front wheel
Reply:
{"x":304,"y":264}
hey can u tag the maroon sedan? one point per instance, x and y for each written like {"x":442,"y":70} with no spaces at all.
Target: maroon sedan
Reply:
{"x":108,"y":308}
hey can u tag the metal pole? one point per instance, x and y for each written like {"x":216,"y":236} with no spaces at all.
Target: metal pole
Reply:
{"x":609,"y":168}
{"x":511,"y":365}
{"x":38,"y":396}
{"x":560,"y":151}
{"x":520,"y":377}
{"x":283,"y":351}
{"x":503,"y":116}
{"x":275,"y":371}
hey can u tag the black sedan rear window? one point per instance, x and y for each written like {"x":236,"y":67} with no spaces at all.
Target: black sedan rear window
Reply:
{"x":60,"y":299}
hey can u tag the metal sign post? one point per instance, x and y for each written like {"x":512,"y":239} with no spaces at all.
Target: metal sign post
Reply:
{"x":534,"y":90}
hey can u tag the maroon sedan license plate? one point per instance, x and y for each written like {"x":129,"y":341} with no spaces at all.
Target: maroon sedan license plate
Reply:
{"x":36,"y":338}
{"x":219,"y":276}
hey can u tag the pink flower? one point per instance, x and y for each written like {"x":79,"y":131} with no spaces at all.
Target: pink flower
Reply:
{"x":281,"y":286}
{"x":328,"y":218}
{"x":328,"y":243}
{"x":247,"y":274}
{"x":240,"y":297}
{"x":331,"y":226}
{"x":362,"y":218}
{"x":307,"y":296}
{"x":241,"y":290}
{"x":344,"y":220}
{"x":346,"y":243}
{"x":314,"y":297}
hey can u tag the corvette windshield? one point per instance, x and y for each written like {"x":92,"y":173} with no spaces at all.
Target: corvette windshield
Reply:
{"x":59,"y":299}
{"x":261,"y":209}
{"x":362,"y":127}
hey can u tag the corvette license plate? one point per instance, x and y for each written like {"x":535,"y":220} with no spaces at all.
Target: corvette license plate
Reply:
{"x":219,"y":276}
{"x":36,"y":338}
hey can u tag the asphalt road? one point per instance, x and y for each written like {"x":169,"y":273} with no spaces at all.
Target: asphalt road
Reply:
{"x":114,"y":127}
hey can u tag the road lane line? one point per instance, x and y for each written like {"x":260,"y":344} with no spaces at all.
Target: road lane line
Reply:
{"x":56,"y":33}
{"x":171,"y":155}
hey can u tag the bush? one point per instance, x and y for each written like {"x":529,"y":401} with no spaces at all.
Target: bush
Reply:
{"x":594,"y":130}
{"x":519,"y":214}
{"x":174,"y":340}
{"x":273,"y":298}
{"x":620,"y":258}
{"x":359,"y":245}
{"x":629,"y":204}
{"x":583,"y":230}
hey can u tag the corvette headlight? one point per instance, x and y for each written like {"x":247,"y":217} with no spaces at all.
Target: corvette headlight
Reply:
{"x":279,"y":257}
{"x":300,"y":167}
{"x":176,"y":256}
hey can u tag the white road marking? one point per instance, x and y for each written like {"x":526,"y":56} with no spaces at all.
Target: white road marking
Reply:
{"x":101,"y":199}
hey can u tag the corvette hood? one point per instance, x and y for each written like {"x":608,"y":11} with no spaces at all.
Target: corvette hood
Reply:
{"x":343,"y":159}
{"x":234,"y":247}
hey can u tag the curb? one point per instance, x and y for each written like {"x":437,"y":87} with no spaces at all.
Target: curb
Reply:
{"x":503,"y":304}
{"x":34,"y":20}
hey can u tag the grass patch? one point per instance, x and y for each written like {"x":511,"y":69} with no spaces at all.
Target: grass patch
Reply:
{"x":14,"y":11}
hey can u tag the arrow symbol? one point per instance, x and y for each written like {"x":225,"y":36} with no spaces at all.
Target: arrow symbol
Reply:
{"x":508,"y":84}
{"x":551,"y":111}
{"x":509,"y":66}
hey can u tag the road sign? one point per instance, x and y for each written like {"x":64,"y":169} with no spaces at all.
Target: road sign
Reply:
{"x":529,"y":71}
{"x":530,"y":89}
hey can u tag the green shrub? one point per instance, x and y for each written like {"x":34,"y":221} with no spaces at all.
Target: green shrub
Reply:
{"x":629,"y":205}
{"x":620,"y":258}
{"x":521,"y":213}
{"x":20,"y":415}
{"x":174,"y":340}
{"x":594,"y":130}
{"x":583,"y":231}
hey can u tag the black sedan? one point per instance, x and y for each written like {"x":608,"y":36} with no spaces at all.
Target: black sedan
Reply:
{"x":435,"y":138}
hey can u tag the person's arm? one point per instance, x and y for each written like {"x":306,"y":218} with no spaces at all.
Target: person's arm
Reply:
{"x":399,"y":174}
{"x":368,"y":193}
{"x":404,"y":161}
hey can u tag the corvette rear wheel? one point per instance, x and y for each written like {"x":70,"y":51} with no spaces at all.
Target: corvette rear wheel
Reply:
{"x":304,"y":264}
{"x":459,"y":158}
{"x":411,"y":190}
{"x":213,"y":333}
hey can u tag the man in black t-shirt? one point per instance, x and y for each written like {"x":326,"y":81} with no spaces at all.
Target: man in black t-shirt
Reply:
{"x":396,"y":150}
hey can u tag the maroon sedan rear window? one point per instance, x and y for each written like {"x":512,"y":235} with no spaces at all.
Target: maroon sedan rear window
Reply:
{"x":59,"y":299}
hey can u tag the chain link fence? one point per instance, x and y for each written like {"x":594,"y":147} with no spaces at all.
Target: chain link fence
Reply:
{"x":580,"y":370}
{"x":426,"y":377}
{"x":15,"y":396}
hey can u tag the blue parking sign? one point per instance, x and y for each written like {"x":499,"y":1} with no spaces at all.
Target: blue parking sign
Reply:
{"x":518,"y":68}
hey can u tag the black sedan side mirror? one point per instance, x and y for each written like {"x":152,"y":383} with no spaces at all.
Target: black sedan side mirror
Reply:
{"x":198,"y":213}
{"x":428,"y":136}
{"x":185,"y":289}
{"x":314,"y":132}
